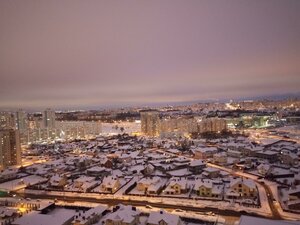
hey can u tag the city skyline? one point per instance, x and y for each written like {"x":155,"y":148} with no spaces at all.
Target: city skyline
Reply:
{"x":100,"y":54}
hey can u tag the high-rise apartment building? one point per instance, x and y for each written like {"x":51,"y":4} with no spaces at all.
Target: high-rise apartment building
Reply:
{"x":150,"y":123}
{"x":177,"y":126}
{"x":10,"y":149}
{"x":212,"y":125}
{"x":49,"y":118}
{"x":21,"y":120}
{"x":7,"y":120}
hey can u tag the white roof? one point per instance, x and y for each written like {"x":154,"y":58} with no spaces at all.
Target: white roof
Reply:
{"x":170,"y":219}
{"x":197,"y":163}
{"x":125,"y":214}
{"x":57,"y":217}
{"x":249,"y":220}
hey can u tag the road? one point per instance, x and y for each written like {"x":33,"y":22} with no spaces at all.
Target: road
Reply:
{"x":276,"y":214}
{"x":229,"y":215}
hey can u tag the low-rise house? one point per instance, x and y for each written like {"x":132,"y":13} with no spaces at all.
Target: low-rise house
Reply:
{"x":176,"y":186}
{"x":148,"y":170}
{"x":150,"y":185}
{"x":107,"y":163}
{"x":234,"y":153}
{"x":84,"y":184}
{"x":241,"y":188}
{"x":289,"y":158}
{"x":263,"y":169}
{"x":206,"y":188}
{"x":205,"y":153}
{"x":251,"y":150}
{"x":123,"y":215}
{"x":197,"y":166}
{"x":8,"y":174}
{"x":58,"y":181}
{"x":89,"y":217}
{"x":163,"y":218}
{"x":211,"y":172}
{"x":220,"y":158}
{"x":269,"y":155}
{"x":110,"y":184}
{"x":83,"y":162}
{"x":98,"y":171}
{"x":293,"y":200}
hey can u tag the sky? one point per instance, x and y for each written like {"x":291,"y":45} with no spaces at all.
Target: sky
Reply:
{"x":81,"y":54}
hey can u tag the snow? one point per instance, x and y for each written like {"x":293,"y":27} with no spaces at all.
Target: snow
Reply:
{"x":58,"y":216}
{"x":21,"y":183}
{"x":249,"y":220}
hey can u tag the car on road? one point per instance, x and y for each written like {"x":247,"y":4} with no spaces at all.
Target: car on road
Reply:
{"x":210,"y":214}
{"x":178,"y":210}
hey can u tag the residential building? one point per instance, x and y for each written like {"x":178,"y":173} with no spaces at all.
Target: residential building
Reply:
{"x":150,"y":123}
{"x":49,"y":118}
{"x":21,"y":120}
{"x":176,"y":186}
{"x":163,"y":218}
{"x":110,"y":184}
{"x":206,"y":188}
{"x":152,"y":185}
{"x":242,"y":188}
{"x":197,"y":166}
{"x":10,"y":149}
{"x":123,"y":215}
{"x":7,"y":120}
{"x":89,"y":217}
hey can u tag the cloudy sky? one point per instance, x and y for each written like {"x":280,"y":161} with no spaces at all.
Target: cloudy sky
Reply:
{"x":81,"y":54}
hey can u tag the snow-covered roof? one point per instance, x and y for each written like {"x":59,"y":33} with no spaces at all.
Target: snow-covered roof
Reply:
{"x":57,"y":217}
{"x":250,"y":220}
{"x":198,"y":162}
{"x":156,"y":217}
{"x":124,"y":214}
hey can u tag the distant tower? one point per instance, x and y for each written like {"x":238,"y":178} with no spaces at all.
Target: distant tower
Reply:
{"x":49,"y":118}
{"x":21,"y":120}
{"x":10,"y":150}
{"x":150,"y":123}
{"x":7,"y":120}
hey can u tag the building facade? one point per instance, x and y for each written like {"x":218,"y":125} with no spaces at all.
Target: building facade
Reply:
{"x":150,"y":123}
{"x":10,"y":150}
{"x":21,"y":120}
{"x":49,"y":119}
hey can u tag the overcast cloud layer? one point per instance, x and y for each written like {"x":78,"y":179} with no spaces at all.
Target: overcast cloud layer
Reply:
{"x":102,"y":53}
